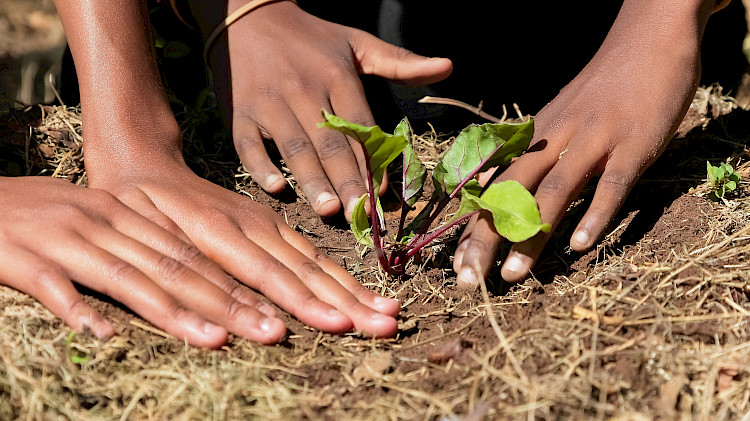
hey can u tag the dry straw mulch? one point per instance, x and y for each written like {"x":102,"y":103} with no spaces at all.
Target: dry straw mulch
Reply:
{"x":654,"y":329}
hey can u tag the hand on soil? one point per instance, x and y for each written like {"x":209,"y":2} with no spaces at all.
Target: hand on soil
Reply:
{"x":614,"y":119}
{"x":280,"y":80}
{"x":253,"y":244}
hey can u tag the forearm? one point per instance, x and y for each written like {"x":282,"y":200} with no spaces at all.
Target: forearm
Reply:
{"x":124,"y":107}
{"x":678,"y":22}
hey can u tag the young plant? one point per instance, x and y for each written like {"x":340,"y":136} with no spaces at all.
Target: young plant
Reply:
{"x":476,"y":149}
{"x":723,"y":179}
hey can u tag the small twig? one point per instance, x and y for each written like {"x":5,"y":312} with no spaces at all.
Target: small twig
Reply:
{"x":151,"y":329}
{"x":447,"y":101}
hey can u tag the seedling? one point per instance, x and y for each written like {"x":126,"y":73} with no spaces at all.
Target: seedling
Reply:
{"x":476,"y":149}
{"x":723,"y":179}
{"x":76,"y":357}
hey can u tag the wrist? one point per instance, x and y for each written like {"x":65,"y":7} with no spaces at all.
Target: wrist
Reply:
{"x":112,"y":154}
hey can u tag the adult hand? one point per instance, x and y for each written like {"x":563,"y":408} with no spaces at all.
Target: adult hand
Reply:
{"x":254,"y":245}
{"x":54,"y":233}
{"x":283,"y":66}
{"x":613,"y":120}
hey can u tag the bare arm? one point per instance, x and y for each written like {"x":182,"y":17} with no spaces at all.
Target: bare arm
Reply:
{"x":132,"y":146}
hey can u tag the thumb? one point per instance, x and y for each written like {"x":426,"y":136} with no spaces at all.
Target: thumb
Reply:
{"x":377,"y":57}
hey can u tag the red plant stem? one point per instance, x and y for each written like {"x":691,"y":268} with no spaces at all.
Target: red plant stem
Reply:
{"x":374,"y":217}
{"x":444,"y":202}
{"x":437,"y":233}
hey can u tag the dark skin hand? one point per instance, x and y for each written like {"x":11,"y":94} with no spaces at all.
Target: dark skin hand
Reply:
{"x":102,"y":244}
{"x":134,"y":154}
{"x":285,"y":65}
{"x":614,"y":119}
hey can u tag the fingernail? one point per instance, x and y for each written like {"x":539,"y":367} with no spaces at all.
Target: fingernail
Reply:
{"x":581,"y":238}
{"x":209,"y":328}
{"x":352,"y":203}
{"x":383,"y":300}
{"x":514,"y":264}
{"x":266,"y":324}
{"x":467,"y":277}
{"x":324,"y":198}
{"x":272,"y":179}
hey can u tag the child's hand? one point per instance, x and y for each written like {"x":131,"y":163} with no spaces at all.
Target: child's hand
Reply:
{"x":53,"y":233}
{"x":283,"y":66}
{"x":253,"y":244}
{"x":614,"y":119}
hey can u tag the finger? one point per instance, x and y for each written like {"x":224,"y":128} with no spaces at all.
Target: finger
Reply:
{"x":252,"y":152}
{"x":477,"y":250}
{"x":189,"y":288}
{"x":554,"y":194}
{"x":480,"y":242}
{"x":619,"y":177}
{"x":373,"y":300}
{"x":262,"y":270}
{"x":28,"y":273}
{"x":143,"y":232}
{"x":329,"y":290}
{"x":377,"y":57}
{"x":302,"y":159}
{"x":335,"y":154}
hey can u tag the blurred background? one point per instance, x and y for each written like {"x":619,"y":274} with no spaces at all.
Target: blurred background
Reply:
{"x":32,"y":44}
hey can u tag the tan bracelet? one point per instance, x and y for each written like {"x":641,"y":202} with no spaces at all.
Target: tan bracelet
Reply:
{"x":223,"y":25}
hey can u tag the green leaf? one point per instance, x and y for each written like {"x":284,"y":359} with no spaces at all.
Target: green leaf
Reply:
{"x":514,"y":211}
{"x":719,"y":173}
{"x":730,"y":185}
{"x":360,"y":223}
{"x":710,"y":173}
{"x":488,"y":145}
{"x":382,"y":148}
{"x":414,"y":171}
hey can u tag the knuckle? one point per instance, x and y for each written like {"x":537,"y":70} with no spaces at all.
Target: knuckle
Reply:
{"x":363,"y":117}
{"x":234,"y":288}
{"x":553,"y":186}
{"x":340,"y":69}
{"x":297,"y":146}
{"x":309,"y":269}
{"x":352,"y":183}
{"x":170,"y":270}
{"x":270,"y":94}
{"x":274,"y":268}
{"x":297,"y":84}
{"x":316,"y":184}
{"x":175,"y":311}
{"x":122,"y":272}
{"x":234,"y":310}
{"x":616,"y":181}
{"x":332,"y":146}
{"x":78,"y":308}
{"x":245,"y":144}
{"x":187,"y":254}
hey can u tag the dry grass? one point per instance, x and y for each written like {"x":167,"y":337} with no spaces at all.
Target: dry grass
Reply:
{"x":637,"y":335}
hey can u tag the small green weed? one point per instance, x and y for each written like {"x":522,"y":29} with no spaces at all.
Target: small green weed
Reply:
{"x":723,"y":179}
